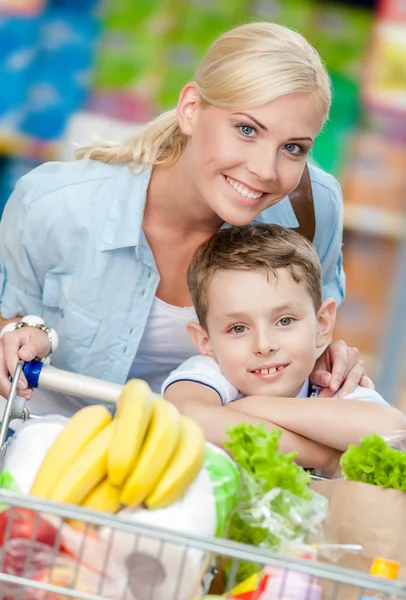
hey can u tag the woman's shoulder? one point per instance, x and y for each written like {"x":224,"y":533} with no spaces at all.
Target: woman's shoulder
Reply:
{"x":80,"y":195}
{"x":52,"y":177}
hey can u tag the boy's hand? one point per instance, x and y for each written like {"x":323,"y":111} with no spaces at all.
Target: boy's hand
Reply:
{"x":340,"y":367}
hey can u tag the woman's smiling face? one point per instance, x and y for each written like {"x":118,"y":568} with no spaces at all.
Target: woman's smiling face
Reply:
{"x":243,"y":161}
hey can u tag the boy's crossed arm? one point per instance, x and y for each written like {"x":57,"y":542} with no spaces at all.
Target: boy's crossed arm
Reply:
{"x":334,"y":422}
{"x":201,"y":403}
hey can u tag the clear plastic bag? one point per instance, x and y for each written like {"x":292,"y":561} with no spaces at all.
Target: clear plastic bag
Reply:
{"x":396,"y":439}
{"x":279,"y":515}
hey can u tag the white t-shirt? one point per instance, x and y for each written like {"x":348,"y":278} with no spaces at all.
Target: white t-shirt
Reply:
{"x":165,"y":343}
{"x":205,"y":370}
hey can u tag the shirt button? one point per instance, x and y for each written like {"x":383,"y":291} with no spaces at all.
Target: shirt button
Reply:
{"x":149,"y":274}
{"x":142,"y":292}
{"x":131,"y":330}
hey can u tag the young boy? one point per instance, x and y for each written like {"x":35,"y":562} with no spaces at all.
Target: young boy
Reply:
{"x":262,"y":325}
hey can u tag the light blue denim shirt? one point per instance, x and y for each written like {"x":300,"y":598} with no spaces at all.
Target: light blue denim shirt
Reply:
{"x":72,"y":250}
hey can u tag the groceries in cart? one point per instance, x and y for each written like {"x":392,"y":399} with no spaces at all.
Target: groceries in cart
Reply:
{"x":148,"y":464}
{"x":138,"y":490}
{"x":367,"y":506}
{"x":275,"y":504}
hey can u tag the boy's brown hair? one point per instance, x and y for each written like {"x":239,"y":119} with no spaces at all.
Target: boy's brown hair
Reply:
{"x":251,"y":248}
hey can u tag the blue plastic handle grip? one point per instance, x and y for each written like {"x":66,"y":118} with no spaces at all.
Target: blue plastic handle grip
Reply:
{"x":32,"y":371}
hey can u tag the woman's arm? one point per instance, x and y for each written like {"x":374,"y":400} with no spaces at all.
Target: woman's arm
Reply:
{"x":334,"y":422}
{"x":202,"y":404}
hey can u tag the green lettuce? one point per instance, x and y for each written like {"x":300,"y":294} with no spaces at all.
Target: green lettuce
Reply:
{"x":256,"y":452}
{"x":375,"y":462}
{"x":263,"y":469}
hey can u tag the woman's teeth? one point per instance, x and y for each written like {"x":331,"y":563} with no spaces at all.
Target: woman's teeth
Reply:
{"x":241,"y":189}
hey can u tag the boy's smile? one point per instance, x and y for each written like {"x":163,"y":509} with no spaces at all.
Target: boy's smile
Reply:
{"x":270,"y":371}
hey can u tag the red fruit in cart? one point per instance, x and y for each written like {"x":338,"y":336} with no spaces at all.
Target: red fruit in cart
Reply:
{"x":24,"y":557}
{"x":63,"y":577}
{"x":28,"y":525}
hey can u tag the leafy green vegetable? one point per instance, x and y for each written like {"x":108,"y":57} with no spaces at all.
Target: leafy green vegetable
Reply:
{"x":263,"y":517}
{"x":375,"y":462}
{"x":7,"y":483}
{"x":256,"y":451}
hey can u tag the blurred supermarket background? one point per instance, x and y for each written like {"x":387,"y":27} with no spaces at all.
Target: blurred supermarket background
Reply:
{"x":72,"y":70}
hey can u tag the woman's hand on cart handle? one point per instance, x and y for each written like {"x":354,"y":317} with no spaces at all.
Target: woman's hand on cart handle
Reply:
{"x":24,"y":344}
{"x":340,"y":369}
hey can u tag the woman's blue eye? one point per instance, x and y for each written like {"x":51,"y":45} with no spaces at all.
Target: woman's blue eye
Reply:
{"x":247,"y":130}
{"x":295,"y":149}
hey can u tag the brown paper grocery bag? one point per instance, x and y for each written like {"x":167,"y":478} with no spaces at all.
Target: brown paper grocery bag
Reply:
{"x":368,"y":515}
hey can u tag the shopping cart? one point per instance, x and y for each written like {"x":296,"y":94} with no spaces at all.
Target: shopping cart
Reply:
{"x":163,"y":573}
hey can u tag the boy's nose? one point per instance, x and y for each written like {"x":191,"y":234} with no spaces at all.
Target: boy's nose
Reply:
{"x":265,"y":346}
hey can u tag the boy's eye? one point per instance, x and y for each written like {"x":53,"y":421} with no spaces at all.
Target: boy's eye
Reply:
{"x":285,"y":321}
{"x":247,"y":130}
{"x":238,"y":329}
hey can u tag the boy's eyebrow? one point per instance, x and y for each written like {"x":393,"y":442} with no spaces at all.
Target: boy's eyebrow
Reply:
{"x":236,"y":315}
{"x":286,"y":306}
{"x":275,"y":309}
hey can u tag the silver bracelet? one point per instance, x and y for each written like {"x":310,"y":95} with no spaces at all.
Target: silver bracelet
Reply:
{"x":38,"y":323}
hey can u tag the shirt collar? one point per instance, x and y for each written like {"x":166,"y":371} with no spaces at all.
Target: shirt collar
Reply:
{"x":126,"y":210}
{"x":304,"y":391}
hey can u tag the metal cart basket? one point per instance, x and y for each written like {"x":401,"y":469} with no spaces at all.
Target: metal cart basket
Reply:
{"x":162,"y":573}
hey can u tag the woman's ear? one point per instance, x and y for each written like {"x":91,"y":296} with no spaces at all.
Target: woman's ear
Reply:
{"x":188,"y":103}
{"x":326,"y":318}
{"x":200,"y":338}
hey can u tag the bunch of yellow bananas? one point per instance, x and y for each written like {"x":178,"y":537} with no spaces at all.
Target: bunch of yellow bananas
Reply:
{"x":147,"y":454}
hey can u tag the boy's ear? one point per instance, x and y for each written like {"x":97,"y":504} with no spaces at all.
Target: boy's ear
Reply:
{"x":326,"y":318}
{"x":200,"y":338}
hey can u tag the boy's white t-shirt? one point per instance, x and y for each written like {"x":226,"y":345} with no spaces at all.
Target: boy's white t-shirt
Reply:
{"x":205,"y":370}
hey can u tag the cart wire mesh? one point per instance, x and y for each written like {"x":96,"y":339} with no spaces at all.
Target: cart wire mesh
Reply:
{"x":157,"y":564}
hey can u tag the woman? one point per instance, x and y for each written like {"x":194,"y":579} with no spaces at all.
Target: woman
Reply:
{"x":100,"y":247}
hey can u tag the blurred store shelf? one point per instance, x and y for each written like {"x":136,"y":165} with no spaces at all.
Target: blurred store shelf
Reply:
{"x":375,"y":221}
{"x":27,"y":147}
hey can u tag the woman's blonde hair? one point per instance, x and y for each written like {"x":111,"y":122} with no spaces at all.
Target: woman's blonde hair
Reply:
{"x":247,"y":66}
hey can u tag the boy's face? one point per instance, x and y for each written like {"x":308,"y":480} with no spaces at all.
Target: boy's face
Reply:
{"x":263,"y":331}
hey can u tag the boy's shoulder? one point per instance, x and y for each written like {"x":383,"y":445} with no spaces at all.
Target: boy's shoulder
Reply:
{"x":360,"y":393}
{"x":206,"y":371}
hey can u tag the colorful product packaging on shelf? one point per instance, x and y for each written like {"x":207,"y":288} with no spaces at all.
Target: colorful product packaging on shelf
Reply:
{"x":196,"y":25}
{"x":369,"y":265}
{"x":341,"y":34}
{"x":385,"y":81}
{"x":297,"y":14}
{"x":329,"y":151}
{"x":61,"y":72}
{"x":128,"y":63}
{"x":374,"y":178}
{"x":21,"y":7}
{"x":18,"y":41}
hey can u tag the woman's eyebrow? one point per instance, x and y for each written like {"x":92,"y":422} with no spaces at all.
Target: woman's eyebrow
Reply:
{"x":302,"y":139}
{"x":260,"y":125}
